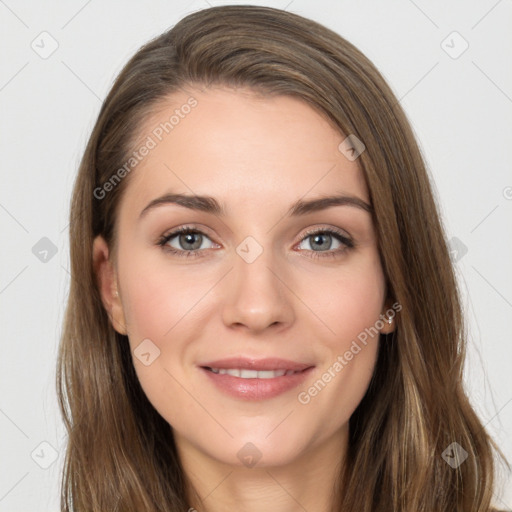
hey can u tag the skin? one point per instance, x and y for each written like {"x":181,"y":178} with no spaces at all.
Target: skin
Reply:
{"x":257,"y":156}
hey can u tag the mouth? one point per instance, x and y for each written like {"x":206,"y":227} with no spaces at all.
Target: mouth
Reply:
{"x":250,"y":379}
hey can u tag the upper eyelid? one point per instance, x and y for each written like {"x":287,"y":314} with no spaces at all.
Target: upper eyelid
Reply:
{"x":336,"y":231}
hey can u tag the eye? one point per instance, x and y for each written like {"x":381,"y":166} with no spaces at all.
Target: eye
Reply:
{"x":321,"y":241}
{"x":188,"y":241}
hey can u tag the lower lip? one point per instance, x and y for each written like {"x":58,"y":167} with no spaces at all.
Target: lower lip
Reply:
{"x":256,"y":389}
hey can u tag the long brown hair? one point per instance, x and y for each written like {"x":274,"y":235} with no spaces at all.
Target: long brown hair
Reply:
{"x":121,"y":453}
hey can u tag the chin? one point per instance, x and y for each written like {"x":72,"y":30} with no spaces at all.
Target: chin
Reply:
{"x":259,"y":452}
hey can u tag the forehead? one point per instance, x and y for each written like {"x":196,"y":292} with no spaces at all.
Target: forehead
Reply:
{"x":239,"y":146}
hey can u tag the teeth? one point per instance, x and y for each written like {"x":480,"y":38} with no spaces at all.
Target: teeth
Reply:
{"x":252,"y":374}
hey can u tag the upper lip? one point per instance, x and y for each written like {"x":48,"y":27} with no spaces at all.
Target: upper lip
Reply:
{"x":257,"y":364}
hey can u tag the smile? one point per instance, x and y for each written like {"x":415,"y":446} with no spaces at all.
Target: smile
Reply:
{"x":253,"y":380}
{"x":243,"y":373}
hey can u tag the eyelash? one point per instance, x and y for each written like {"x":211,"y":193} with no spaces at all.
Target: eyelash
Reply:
{"x":185,"y":230}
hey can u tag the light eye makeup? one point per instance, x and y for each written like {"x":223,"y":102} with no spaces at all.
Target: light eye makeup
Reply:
{"x":321,"y":238}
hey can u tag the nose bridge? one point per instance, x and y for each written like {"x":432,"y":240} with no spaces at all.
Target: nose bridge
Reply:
{"x":256,"y":296}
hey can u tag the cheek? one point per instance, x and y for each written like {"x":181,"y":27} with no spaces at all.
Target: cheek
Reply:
{"x":160,"y":303}
{"x":353,"y":304}
{"x":351,"y":310}
{"x":157,"y":296}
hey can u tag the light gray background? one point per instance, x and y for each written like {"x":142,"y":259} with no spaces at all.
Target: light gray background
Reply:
{"x":460,"y":107}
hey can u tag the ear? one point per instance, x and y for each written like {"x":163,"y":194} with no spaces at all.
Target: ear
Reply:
{"x":107,"y":282}
{"x":389,"y":317}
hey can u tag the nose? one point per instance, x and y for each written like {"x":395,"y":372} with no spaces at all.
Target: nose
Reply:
{"x":256,"y":295}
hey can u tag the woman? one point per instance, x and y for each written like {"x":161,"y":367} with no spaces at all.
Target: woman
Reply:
{"x":306,"y":351}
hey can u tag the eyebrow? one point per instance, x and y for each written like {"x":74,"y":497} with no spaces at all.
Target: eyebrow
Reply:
{"x":209,"y":204}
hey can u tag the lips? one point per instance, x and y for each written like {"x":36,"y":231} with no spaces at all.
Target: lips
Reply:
{"x":252,"y":379}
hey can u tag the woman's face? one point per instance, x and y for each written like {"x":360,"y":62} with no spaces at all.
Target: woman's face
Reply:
{"x":270,"y":285}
